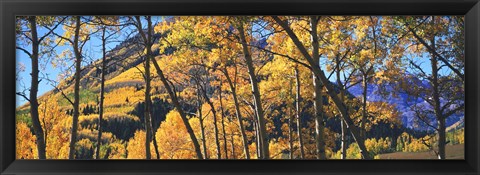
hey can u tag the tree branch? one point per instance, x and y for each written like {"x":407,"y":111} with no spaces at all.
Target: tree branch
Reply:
{"x":23,"y":95}
{"x":433,"y":51}
{"x":448,"y":114}
{"x":51,"y":30}
{"x":64,"y":95}
{"x":25,"y":51}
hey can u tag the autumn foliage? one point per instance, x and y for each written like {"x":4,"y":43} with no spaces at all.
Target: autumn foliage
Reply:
{"x":246,"y":87}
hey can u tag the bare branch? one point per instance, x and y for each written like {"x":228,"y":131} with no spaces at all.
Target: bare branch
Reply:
{"x":51,"y":30}
{"x":448,"y":114}
{"x":23,"y":95}
{"x":24,"y":50}
{"x":433,"y":51}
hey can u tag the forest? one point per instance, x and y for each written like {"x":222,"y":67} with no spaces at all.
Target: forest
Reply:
{"x":240,"y":87}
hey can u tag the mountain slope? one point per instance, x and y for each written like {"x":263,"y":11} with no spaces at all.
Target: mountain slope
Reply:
{"x":403,"y":103}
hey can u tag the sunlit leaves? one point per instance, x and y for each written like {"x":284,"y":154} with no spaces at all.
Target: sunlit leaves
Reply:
{"x":25,"y":145}
{"x":136,"y":146}
{"x":205,"y":53}
{"x":173,"y":139}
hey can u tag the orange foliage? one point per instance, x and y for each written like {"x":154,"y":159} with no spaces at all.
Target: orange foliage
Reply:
{"x":26,"y":147}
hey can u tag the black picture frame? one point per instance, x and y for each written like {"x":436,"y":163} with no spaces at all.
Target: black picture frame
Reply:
{"x":11,"y":8}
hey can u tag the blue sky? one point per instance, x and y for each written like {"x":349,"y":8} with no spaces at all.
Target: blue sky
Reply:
{"x":24,"y":78}
{"x":92,"y":50}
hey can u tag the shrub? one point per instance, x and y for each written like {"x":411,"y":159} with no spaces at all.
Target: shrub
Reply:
{"x":92,"y":135}
{"x":407,"y":143}
{"x":117,"y":150}
{"x":84,"y":149}
{"x":375,"y":147}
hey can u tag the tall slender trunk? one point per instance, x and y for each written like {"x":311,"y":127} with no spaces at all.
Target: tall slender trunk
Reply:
{"x":76,"y":96}
{"x":173,"y":96}
{"x":154,"y":132}
{"x":147,"y":39}
{"x":215,"y":126}
{"x":37,"y":127}
{"x":177,"y":105}
{"x":239,"y":115}
{"x":147,"y":112}
{"x":441,"y":139}
{"x":330,"y":90}
{"x":290,"y":134}
{"x":298,"y":115}
{"x":45,"y":131}
{"x":204,"y":142}
{"x":149,"y":105}
{"x":343,"y":144}
{"x":441,"y":128}
{"x":202,"y":128}
{"x":289,"y":113}
{"x":319,"y":126}
{"x":256,"y":94}
{"x":290,"y":121}
{"x":233,"y":146}
{"x":363,"y":131}
{"x":318,"y":102}
{"x":225,"y":147}
{"x":259,"y":143}
{"x":257,"y":134}
{"x":102,"y":92}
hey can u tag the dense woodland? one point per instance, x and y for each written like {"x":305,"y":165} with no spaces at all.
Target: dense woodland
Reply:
{"x":239,"y":87}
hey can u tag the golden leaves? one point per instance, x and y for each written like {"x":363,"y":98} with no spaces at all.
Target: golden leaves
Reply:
{"x":204,"y":50}
{"x":379,"y":146}
{"x":125,"y":96}
{"x":56,"y":124}
{"x":382,"y":112}
{"x":136,"y":146}
{"x":174,"y":138}
{"x":25,"y":145}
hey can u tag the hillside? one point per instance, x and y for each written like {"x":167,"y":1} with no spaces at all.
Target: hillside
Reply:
{"x":403,"y":102}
